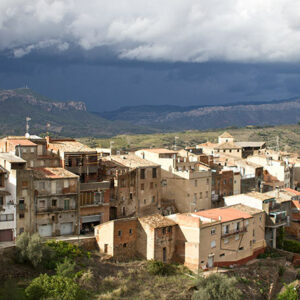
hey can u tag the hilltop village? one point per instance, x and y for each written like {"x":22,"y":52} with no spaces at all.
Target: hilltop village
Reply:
{"x":214,"y":204}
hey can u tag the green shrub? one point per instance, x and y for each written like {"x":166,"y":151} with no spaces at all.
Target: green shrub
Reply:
{"x":217,"y":287}
{"x":291,"y":246}
{"x":66,"y":268}
{"x":290,"y":293}
{"x":155,"y":267}
{"x":64,"y":250}
{"x":54,"y":287}
{"x":281,"y":270}
{"x":30,"y":249}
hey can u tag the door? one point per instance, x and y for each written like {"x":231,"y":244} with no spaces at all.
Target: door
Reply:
{"x":210,"y":261}
{"x":6,"y":235}
{"x":66,"y":228}
{"x":45,"y":230}
{"x":164,"y":254}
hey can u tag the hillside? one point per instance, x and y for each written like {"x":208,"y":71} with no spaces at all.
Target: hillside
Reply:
{"x":289,"y":138}
{"x":168,"y":117}
{"x":65,"y":118}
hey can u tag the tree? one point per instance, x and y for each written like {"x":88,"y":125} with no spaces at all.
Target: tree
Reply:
{"x":290,"y":293}
{"x":54,"y":287}
{"x":217,"y":287}
{"x":66,"y":268}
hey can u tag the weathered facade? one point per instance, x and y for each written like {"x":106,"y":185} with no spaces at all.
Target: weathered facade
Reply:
{"x":185,"y":179}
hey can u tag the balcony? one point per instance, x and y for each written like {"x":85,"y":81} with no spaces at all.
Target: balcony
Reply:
{"x":276,"y":219}
{"x":233,"y":232}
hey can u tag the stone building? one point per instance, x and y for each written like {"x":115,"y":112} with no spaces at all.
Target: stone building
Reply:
{"x":185,"y":179}
{"x":56,"y":205}
{"x":150,"y":237}
{"x":277,"y":211}
{"x":199,"y":240}
{"x":136,"y":184}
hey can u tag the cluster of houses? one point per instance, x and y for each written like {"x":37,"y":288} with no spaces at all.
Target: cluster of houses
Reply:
{"x":214,"y":204}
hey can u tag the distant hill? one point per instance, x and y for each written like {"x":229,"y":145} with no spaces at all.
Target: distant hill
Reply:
{"x":65,"y":118}
{"x":170,"y":118}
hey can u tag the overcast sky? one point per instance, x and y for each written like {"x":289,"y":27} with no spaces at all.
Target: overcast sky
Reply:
{"x":129,"y":52}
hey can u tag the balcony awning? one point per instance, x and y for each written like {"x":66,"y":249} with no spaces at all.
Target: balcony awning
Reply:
{"x":89,"y":219}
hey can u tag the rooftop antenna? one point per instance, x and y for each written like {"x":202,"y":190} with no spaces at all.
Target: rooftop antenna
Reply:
{"x":27,"y":127}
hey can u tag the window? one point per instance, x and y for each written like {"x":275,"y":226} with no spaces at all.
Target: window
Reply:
{"x":145,"y":201}
{"x":207,"y":180}
{"x":21,"y":216}
{"x":153,"y":199}
{"x":200,"y":195}
{"x":241,"y":248}
{"x":42,"y":185}
{"x":124,"y":211}
{"x":222,"y":254}
{"x":154,"y":173}
{"x":213,"y":244}
{"x":206,"y":194}
{"x":196,"y":183}
{"x":120,"y":233}
{"x":1,"y":200}
{"x":151,"y":185}
{"x":195,"y":197}
{"x":142,"y":175}
{"x":246,"y":223}
{"x":1,"y":180}
{"x":237,"y":226}
{"x":32,"y":149}
{"x":226,"y":229}
{"x":164,"y":230}
{"x":42,"y":203}
{"x":124,"y":245}
{"x":224,"y":181}
{"x":21,"y":204}
{"x":230,"y":180}
{"x":24,"y":150}
{"x":66,"y":204}
{"x":213,"y":231}
{"x":260,"y":218}
{"x":66,"y":183}
{"x":169,"y":229}
{"x":130,"y":196}
{"x":54,"y":202}
{"x":130,"y":231}
{"x":6,"y":217}
{"x":142,"y":186}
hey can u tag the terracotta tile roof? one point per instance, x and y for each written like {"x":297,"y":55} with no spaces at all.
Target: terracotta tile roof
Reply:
{"x":292,"y":191}
{"x":52,"y":173}
{"x":160,"y":151}
{"x":296,"y":203}
{"x":269,"y":178}
{"x":131,"y":161}
{"x":157,"y":221}
{"x":22,"y":142}
{"x":226,"y":213}
{"x":226,"y":135}
{"x":70,"y":146}
{"x":207,"y":144}
{"x":227,"y":145}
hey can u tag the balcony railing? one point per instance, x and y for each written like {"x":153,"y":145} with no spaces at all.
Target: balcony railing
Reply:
{"x":233,"y":232}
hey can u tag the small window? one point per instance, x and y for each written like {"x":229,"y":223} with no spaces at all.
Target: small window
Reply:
{"x":42,"y":203}
{"x":142,"y":186}
{"x":200,"y":195}
{"x":154,"y":173}
{"x":164,"y":230}
{"x":153,"y":199}
{"x":21,"y":216}
{"x":145,"y":201}
{"x":206,"y":194}
{"x":130,"y":196}
{"x":120,"y":233}
{"x":142,"y":175}
{"x":21,"y":230}
{"x":224,"y":181}
{"x":196,"y":183}
{"x":66,"y":204}
{"x":169,"y":229}
{"x":124,"y":245}
{"x":32,"y":149}
{"x":207,"y":180}
{"x":213,"y":244}
{"x":66,"y":183}
{"x":241,"y":248}
{"x":213,"y":231}
{"x":54,"y":202}
{"x":130,"y":231}
{"x":222,"y":254}
{"x":151,"y":185}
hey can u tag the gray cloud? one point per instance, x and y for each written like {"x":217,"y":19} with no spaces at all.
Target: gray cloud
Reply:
{"x":169,"y":30}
